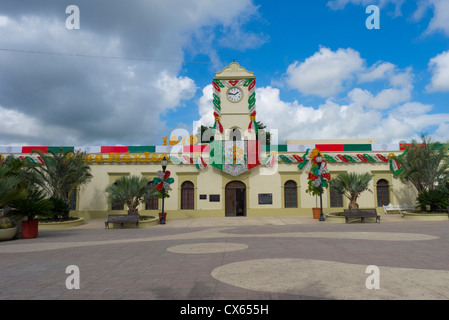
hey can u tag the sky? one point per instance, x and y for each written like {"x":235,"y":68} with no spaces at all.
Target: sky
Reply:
{"x":138,"y":70}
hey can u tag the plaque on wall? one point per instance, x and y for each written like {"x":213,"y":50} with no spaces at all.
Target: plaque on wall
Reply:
{"x":265,"y":198}
{"x":214,"y":198}
{"x":203,"y":196}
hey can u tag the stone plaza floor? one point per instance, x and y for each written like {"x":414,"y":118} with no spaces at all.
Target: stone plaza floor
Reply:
{"x":239,"y":258}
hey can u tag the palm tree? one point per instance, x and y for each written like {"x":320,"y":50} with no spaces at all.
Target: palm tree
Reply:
{"x":351,"y":185}
{"x":425,"y":164}
{"x":130,"y":190}
{"x":10,"y":188}
{"x":12,"y":183}
{"x":61,"y":173}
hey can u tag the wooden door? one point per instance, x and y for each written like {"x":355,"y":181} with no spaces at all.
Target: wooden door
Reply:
{"x":235,"y":199}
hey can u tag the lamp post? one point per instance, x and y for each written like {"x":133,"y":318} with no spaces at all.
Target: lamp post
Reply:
{"x":164,"y":167}
{"x":319,"y":160}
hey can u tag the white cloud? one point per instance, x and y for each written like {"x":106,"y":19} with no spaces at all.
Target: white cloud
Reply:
{"x":440,"y":20}
{"x":105,"y":101}
{"x":26,"y":129}
{"x":205,"y":107}
{"x":439,"y":67}
{"x":360,"y":118}
{"x":383,"y":100}
{"x":378,"y":71}
{"x":412,"y":109}
{"x":175,"y":89}
{"x":341,"y":4}
{"x":325,"y":73}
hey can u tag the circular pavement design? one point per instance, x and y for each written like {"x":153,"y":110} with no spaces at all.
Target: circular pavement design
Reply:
{"x":198,"y":248}
{"x":333,"y":280}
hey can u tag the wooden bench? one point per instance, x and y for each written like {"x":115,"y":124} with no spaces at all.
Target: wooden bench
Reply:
{"x":122,"y":219}
{"x":361,"y":213}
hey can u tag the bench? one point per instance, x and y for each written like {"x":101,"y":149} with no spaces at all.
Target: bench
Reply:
{"x":398,"y":208}
{"x":361,"y":213}
{"x":122,"y":219}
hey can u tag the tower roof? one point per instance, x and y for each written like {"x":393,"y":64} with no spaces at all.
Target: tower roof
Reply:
{"x":234,"y":71}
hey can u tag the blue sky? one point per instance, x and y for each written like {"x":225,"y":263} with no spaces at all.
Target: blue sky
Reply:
{"x":321,"y":74}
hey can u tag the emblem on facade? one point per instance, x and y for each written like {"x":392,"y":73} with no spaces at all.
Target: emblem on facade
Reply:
{"x":234,"y":157}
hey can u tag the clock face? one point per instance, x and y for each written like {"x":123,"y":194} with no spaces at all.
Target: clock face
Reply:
{"x":235,"y":94}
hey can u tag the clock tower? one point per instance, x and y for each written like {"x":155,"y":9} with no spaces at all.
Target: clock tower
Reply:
{"x":234,"y":103}
{"x":235,"y":148}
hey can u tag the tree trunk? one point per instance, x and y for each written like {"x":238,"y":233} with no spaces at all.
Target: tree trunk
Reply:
{"x":353,"y":205}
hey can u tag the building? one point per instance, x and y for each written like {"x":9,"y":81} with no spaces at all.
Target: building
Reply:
{"x":235,"y":174}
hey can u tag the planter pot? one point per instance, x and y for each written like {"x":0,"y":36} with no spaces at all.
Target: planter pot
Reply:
{"x":165,"y":216}
{"x":316,"y":213}
{"x":30,"y":229}
{"x":7,"y":234}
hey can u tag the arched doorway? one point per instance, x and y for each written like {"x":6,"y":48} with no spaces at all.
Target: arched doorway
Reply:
{"x":235,"y":199}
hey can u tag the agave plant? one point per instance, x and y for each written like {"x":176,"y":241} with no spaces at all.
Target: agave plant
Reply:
{"x":130,"y":190}
{"x":351,"y":185}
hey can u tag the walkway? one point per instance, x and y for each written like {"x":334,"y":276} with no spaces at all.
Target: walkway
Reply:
{"x":239,"y":258}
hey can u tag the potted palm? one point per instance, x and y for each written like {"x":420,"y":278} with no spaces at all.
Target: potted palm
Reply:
{"x":31,"y":207}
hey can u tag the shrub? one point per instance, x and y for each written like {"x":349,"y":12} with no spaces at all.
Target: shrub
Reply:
{"x":435,"y":198}
{"x":60,"y":209}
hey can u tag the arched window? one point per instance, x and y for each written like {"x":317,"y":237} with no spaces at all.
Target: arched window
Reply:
{"x":118,"y":206}
{"x":235,"y":135}
{"x":187,"y":196}
{"x":383,"y":193}
{"x":290,"y":194}
{"x":153,"y":202}
{"x":336,"y":199}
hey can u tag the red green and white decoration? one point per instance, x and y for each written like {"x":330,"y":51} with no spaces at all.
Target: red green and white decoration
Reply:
{"x":194,"y":154}
{"x":251,"y":85}
{"x":217,"y":85}
{"x":318,"y":175}
{"x":163,"y":180}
